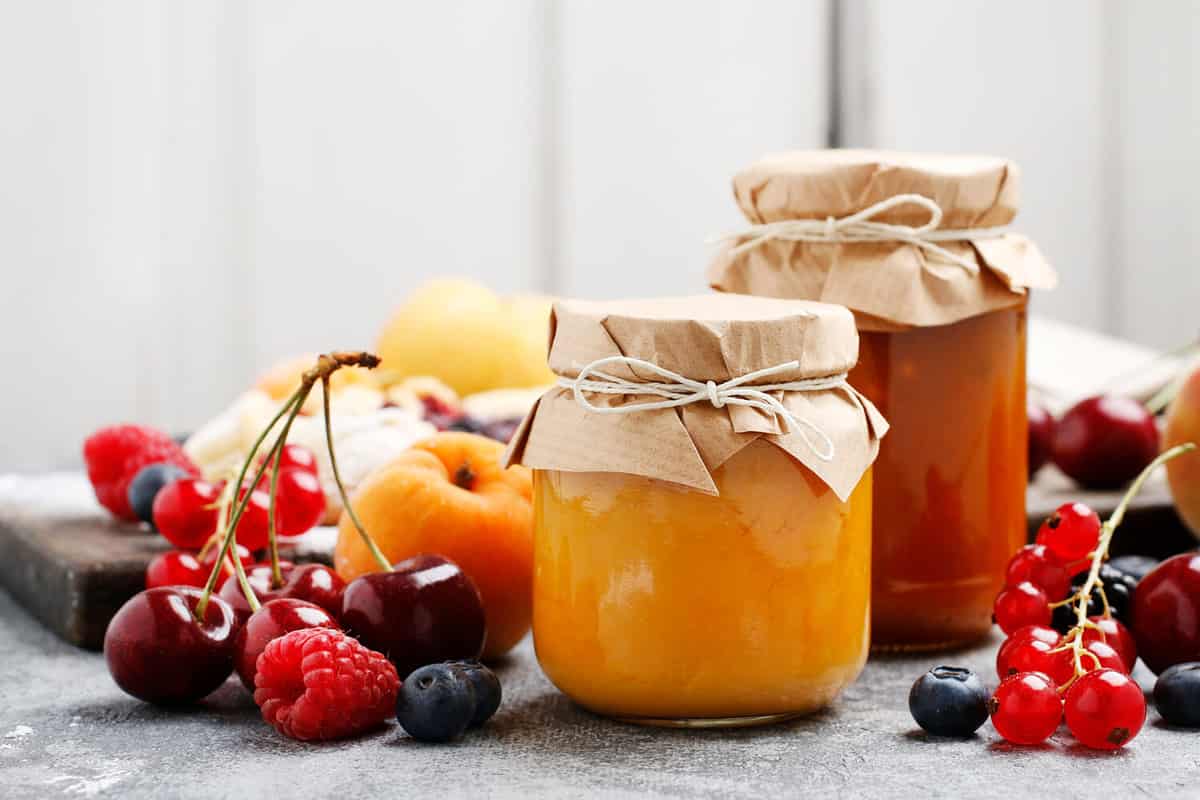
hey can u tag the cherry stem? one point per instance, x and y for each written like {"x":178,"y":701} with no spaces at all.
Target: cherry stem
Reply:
{"x":272,"y":536}
{"x":378,"y":555}
{"x":1100,"y":554}
{"x":230,"y":533}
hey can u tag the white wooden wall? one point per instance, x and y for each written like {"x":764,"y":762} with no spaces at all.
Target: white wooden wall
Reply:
{"x":192,"y":190}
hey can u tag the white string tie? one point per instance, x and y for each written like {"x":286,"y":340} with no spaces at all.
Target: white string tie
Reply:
{"x":860,"y":227}
{"x":677,"y":390}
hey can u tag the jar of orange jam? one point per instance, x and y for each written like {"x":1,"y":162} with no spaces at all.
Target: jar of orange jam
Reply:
{"x":918,"y":247}
{"x":702,"y":554}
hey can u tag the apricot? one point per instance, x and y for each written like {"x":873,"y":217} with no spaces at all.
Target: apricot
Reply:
{"x":448,"y":496}
{"x":283,"y":377}
{"x":1183,"y":473}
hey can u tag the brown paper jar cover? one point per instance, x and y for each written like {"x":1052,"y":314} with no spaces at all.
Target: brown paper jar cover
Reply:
{"x":886,"y":284}
{"x":713,"y":337}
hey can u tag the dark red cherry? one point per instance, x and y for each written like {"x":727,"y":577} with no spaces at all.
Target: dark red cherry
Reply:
{"x":294,"y":455}
{"x":274,"y":619}
{"x":1041,"y":435}
{"x":427,"y":610}
{"x":1166,"y":613}
{"x":159,"y":652}
{"x":1104,"y":442}
{"x":316,"y":583}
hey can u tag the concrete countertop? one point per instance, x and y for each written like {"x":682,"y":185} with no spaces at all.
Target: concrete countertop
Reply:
{"x":66,"y":730}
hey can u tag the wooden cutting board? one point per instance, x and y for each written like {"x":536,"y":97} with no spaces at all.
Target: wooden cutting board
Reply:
{"x":72,"y":566}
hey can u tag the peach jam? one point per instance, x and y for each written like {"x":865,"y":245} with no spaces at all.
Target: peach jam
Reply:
{"x":702,"y":508}
{"x":661,"y":604}
{"x":951,"y":474}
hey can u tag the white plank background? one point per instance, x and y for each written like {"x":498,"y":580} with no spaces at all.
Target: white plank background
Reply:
{"x":192,"y":190}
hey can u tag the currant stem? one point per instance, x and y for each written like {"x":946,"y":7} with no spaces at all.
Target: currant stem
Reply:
{"x":230,"y":535}
{"x":379,"y":557}
{"x":1099,"y":555}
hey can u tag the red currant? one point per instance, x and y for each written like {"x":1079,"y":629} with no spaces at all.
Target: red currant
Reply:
{"x":175,"y":568}
{"x":1117,"y":636}
{"x":1018,"y":638}
{"x":295,"y":456}
{"x":1035,"y":655}
{"x":299,"y":503}
{"x":1026,"y":708}
{"x":252,"y":526}
{"x":1105,"y":709}
{"x":1036,"y":564}
{"x":182,"y":568}
{"x":185,"y":512}
{"x":1021,"y":605}
{"x":1071,"y":532}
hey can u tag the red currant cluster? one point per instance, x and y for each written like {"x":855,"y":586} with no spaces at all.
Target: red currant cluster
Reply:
{"x":1084,"y":671}
{"x":1067,"y":655}
{"x":187,"y":512}
{"x":323,"y":658}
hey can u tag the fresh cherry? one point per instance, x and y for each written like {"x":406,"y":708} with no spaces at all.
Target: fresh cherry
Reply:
{"x":1166,"y":613}
{"x":274,"y":619}
{"x":1021,"y":605}
{"x":1026,"y":708}
{"x":315,"y":583}
{"x":159,"y":652}
{"x":1036,"y":564}
{"x":299,"y":501}
{"x":424,"y":611}
{"x":185,"y":512}
{"x":1105,"y":709}
{"x":1041,"y":435}
{"x":1104,"y":442}
{"x":1071,"y":532}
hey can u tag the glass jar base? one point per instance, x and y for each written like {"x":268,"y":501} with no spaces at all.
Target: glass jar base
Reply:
{"x":714,"y":722}
{"x":955,"y":643}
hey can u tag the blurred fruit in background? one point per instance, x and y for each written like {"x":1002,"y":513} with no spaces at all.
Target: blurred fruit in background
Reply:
{"x":1183,"y":474}
{"x":469,"y":337}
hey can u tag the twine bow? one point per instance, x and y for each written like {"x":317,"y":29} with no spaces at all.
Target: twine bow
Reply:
{"x":677,"y":390}
{"x":860,"y":227}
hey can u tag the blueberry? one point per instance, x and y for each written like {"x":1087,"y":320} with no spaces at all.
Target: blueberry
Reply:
{"x":486,"y":686}
{"x":949,"y":701}
{"x":436,"y":703}
{"x":146,"y":485}
{"x":1177,"y":695}
{"x":501,"y":430}
{"x":1134,"y":566}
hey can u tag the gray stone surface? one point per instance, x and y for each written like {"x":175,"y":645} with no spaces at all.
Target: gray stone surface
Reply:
{"x":66,"y":730}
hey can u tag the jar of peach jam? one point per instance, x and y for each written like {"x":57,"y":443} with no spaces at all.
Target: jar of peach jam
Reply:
{"x":940,"y":299}
{"x":702,"y":554}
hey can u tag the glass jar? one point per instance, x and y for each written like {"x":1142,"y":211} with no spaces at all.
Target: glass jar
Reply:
{"x":662,"y":605}
{"x":949,"y":494}
{"x":919,"y":247}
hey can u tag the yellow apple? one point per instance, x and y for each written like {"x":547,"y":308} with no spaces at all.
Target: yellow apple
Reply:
{"x":469,"y":337}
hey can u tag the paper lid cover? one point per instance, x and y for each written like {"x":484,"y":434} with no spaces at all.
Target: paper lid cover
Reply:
{"x":713,"y":337}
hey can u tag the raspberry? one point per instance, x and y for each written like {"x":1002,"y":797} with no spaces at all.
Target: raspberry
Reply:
{"x":318,"y":683}
{"x":115,"y":454}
